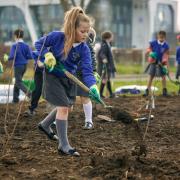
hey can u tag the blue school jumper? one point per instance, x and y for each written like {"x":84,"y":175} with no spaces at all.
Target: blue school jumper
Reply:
{"x":23,"y":53}
{"x":178,"y":55}
{"x":79,"y":55}
{"x":159,"y":48}
{"x":20,"y":52}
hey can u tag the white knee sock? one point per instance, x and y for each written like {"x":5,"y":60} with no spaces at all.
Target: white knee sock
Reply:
{"x":88,"y":112}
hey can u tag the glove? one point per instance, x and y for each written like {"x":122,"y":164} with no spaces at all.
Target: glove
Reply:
{"x":165,"y":70}
{"x":153,"y":55}
{"x":97,"y":77}
{"x":1,"y":68}
{"x":94,"y":94}
{"x":6,"y":57}
{"x":50,"y":61}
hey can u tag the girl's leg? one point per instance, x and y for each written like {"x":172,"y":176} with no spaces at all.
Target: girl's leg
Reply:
{"x":149,"y":85}
{"x":110,"y":88}
{"x":164,"y":92}
{"x":87,"y":107}
{"x":150,"y":82}
{"x":102,"y":89}
{"x":62,"y":127}
{"x":45,"y":125}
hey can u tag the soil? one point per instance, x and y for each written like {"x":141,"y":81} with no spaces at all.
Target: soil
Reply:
{"x":111,"y":151}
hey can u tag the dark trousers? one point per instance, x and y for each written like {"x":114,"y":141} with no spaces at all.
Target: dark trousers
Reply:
{"x":36,"y":94}
{"x":18,"y":74}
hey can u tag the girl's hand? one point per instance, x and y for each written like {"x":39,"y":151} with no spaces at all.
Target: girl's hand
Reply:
{"x":40,"y":64}
{"x":50,"y":61}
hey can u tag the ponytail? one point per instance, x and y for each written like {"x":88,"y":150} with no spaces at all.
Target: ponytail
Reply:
{"x":72,"y":19}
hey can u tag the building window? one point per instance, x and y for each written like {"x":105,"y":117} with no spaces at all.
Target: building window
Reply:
{"x":164,"y":18}
{"x":12,"y":18}
{"x":115,"y":16}
{"x":47,"y":18}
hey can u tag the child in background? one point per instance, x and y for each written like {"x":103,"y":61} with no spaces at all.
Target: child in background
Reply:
{"x":178,"y":58}
{"x":106,"y":67}
{"x":85,"y":100}
{"x":69,"y":49}
{"x":20,"y":52}
{"x":178,"y":61}
{"x":158,"y":52}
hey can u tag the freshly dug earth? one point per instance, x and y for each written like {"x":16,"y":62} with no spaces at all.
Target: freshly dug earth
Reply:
{"x":106,"y":151}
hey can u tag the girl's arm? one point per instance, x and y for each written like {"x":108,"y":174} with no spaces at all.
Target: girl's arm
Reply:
{"x":44,"y":43}
{"x":86,"y":67}
{"x":165,"y":58}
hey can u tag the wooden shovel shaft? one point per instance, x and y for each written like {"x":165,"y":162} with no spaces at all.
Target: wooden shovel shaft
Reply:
{"x":76,"y":80}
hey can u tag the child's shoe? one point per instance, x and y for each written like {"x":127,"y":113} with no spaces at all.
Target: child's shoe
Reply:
{"x":146,"y":93}
{"x":88,"y":125}
{"x":164,"y":93}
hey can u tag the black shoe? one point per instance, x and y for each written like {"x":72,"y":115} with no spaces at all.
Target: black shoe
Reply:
{"x":29,"y":113}
{"x":102,"y":96}
{"x":71,"y":152}
{"x":146,"y":93}
{"x":112,"y":96}
{"x":51,"y":135}
{"x":88,"y":125}
{"x":164,"y":93}
{"x":15,"y":101}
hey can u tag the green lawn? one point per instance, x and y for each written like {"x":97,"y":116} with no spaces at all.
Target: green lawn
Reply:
{"x":134,"y":69}
{"x":172,"y":88}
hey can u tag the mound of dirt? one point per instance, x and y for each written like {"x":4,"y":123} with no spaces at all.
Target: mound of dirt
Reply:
{"x":107,"y":151}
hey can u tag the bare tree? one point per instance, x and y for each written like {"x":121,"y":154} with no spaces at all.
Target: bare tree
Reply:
{"x":68,"y":3}
{"x":65,"y":4}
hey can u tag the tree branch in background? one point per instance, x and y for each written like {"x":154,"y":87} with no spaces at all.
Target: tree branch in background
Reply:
{"x":65,"y":4}
{"x":82,"y":4}
{"x":73,"y":3}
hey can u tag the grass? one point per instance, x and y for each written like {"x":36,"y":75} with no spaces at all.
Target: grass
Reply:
{"x":134,"y":69}
{"x":172,"y":88}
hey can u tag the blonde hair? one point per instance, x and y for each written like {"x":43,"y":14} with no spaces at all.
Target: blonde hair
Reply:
{"x":72,"y":19}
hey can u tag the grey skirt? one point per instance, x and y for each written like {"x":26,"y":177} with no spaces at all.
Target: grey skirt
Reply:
{"x":80,"y":91}
{"x":58,"y":91}
{"x":178,"y":71}
{"x":154,"y":70}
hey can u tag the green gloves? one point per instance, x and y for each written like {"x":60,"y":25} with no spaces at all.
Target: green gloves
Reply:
{"x":30,"y":84}
{"x":6,"y":57}
{"x":97,"y":77}
{"x":50,"y":61}
{"x":153,"y":55}
{"x":1,"y":68}
{"x":94,"y":94}
{"x":164,"y":70}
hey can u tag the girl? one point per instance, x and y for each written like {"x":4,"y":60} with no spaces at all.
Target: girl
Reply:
{"x":106,"y":66}
{"x":20,"y":52}
{"x":158,"y":56}
{"x":178,"y":60}
{"x":69,"y":49}
{"x":85,"y":100}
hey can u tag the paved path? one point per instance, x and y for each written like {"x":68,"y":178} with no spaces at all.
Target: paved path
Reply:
{"x":135,"y":77}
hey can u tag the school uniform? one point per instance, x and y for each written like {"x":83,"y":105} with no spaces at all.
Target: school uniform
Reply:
{"x":105,"y":53}
{"x":178,"y":62}
{"x":57,"y":88}
{"x":154,"y":69}
{"x":22,"y":53}
{"x":80,"y":91}
{"x":106,"y":70}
